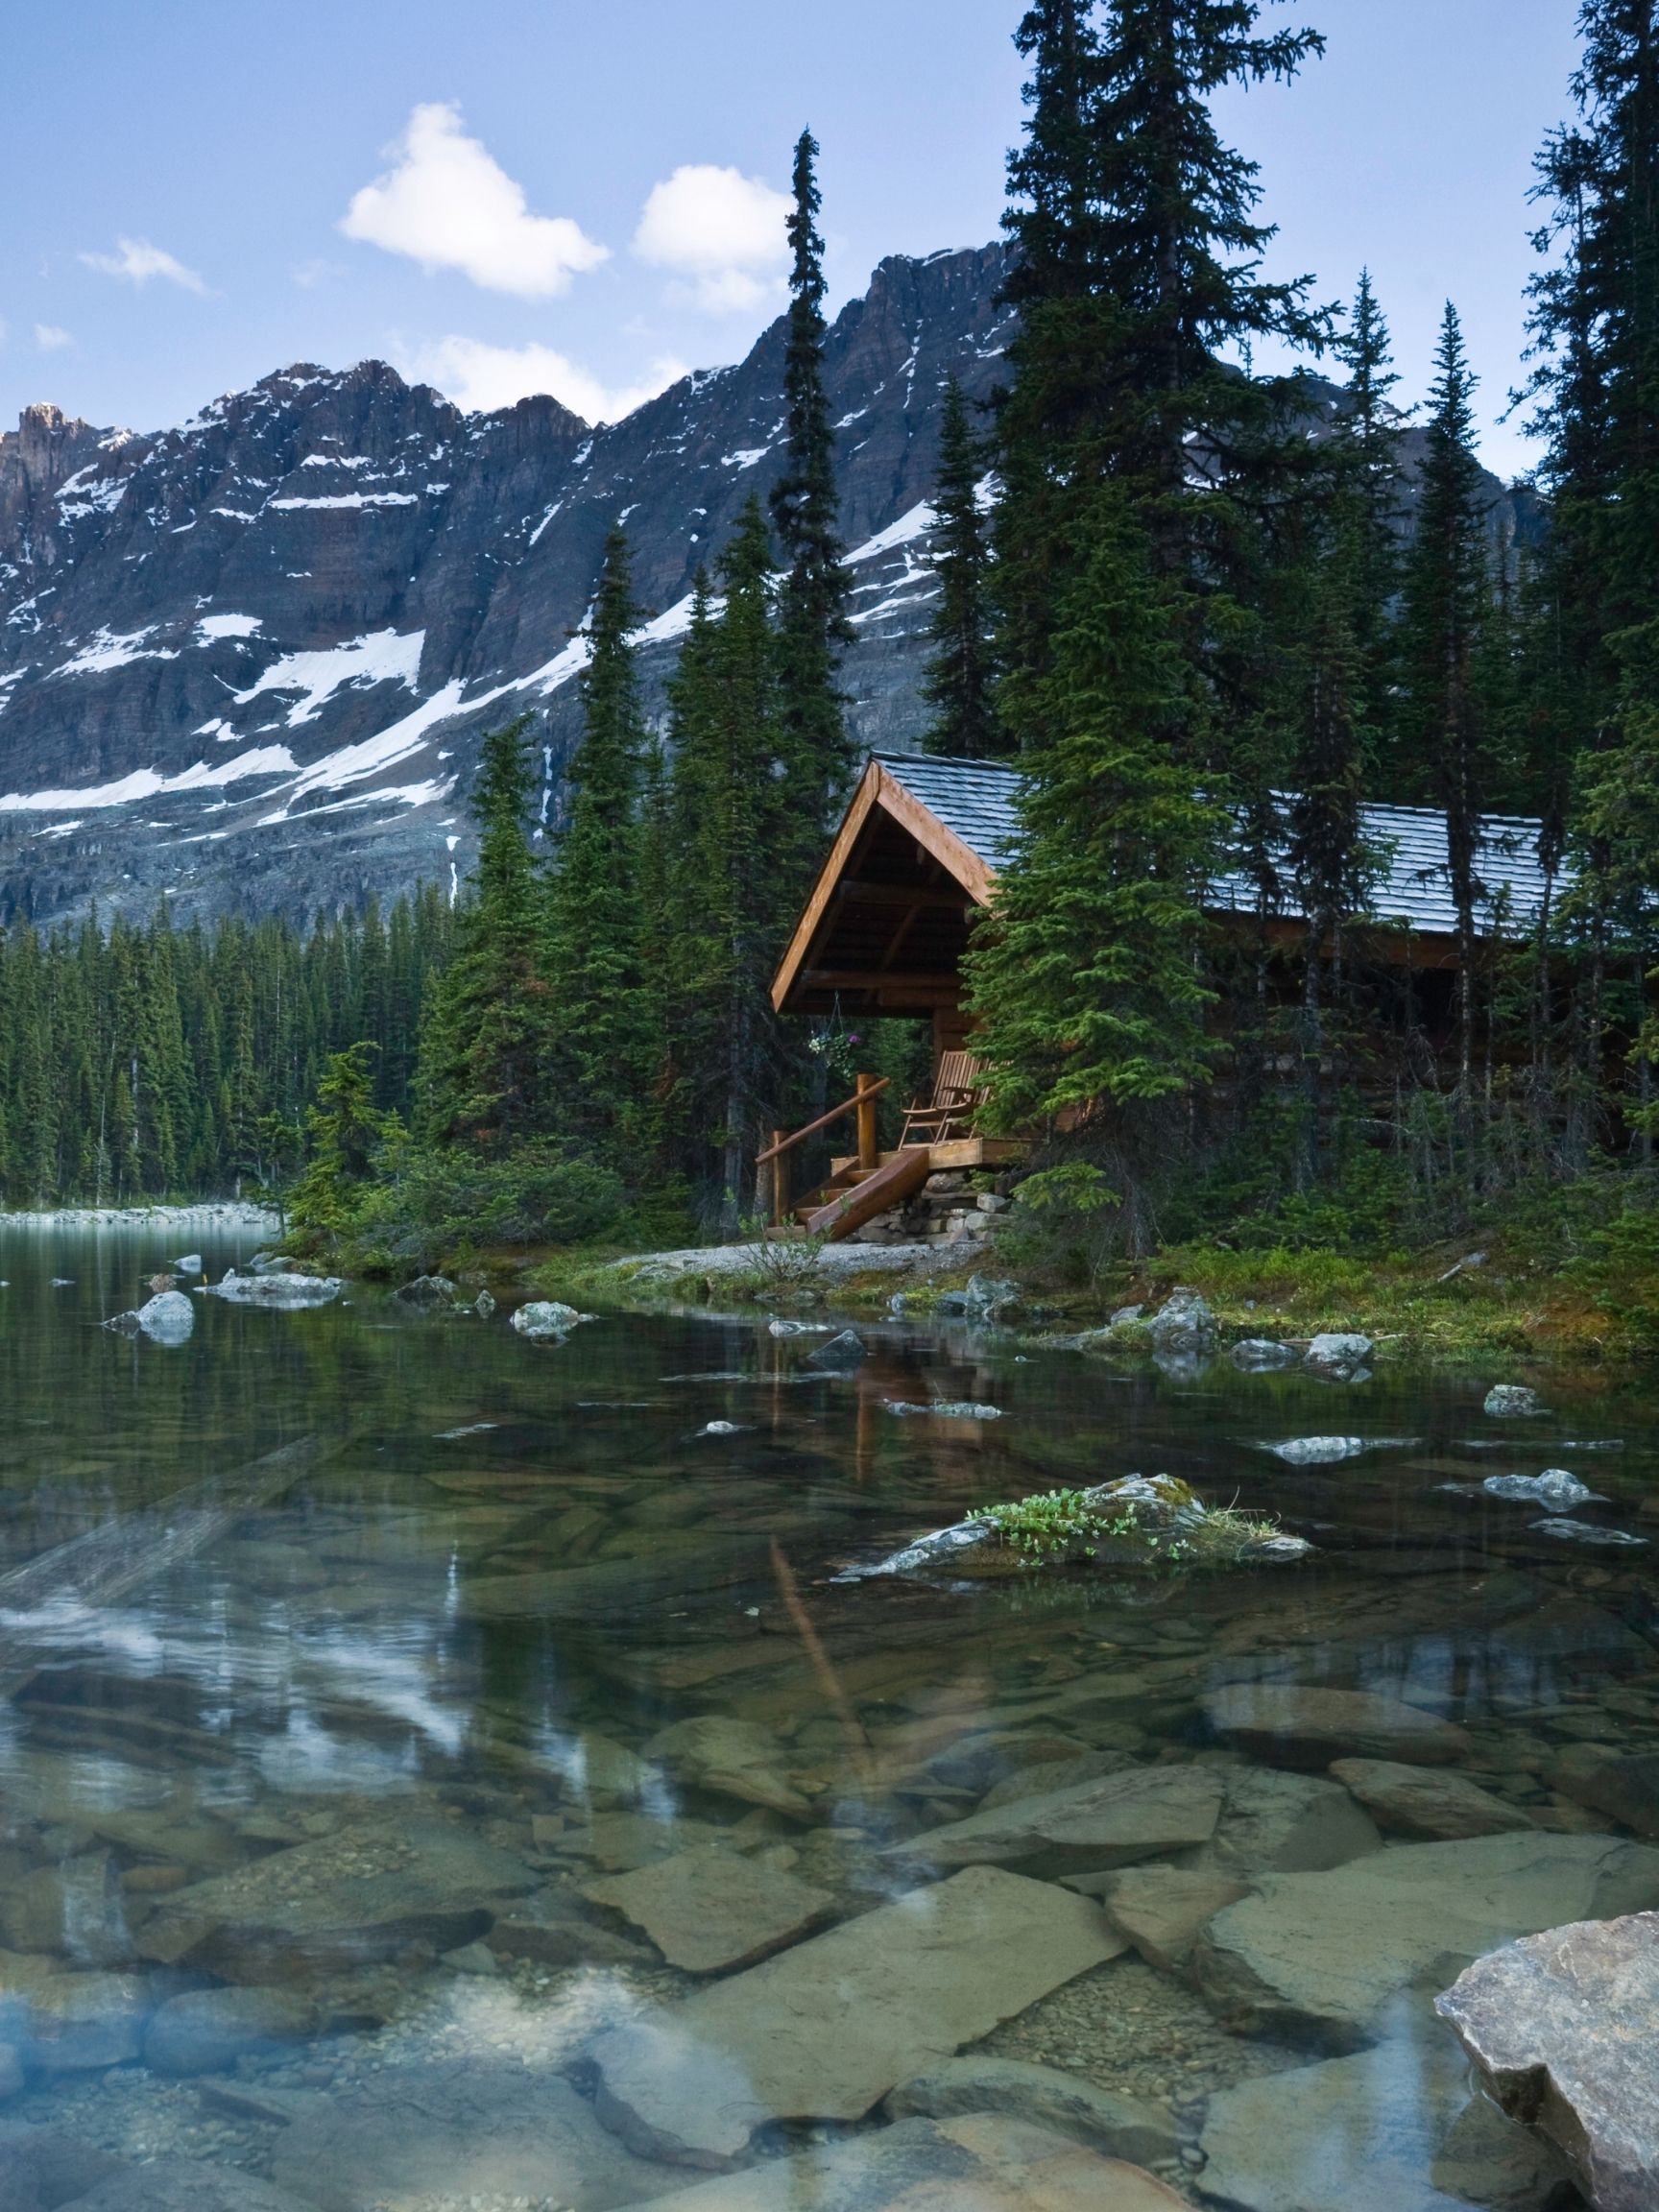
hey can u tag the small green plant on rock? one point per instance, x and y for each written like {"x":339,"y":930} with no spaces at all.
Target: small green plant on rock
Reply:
{"x":1046,"y":1527}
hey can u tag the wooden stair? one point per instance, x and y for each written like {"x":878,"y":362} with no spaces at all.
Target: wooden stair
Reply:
{"x":854,"y":1196}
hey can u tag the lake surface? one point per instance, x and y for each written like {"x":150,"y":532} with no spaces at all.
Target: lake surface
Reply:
{"x":409,"y":1837}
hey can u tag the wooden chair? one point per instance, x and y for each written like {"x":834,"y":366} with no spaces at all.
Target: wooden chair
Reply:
{"x":956,"y":1091}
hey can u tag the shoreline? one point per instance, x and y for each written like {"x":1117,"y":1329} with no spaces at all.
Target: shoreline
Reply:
{"x":224,"y":1213}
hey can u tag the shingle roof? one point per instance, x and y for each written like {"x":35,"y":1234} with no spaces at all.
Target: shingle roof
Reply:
{"x":975,"y":802}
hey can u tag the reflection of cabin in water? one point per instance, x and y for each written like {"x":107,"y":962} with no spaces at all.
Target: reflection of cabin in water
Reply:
{"x":916,"y":859}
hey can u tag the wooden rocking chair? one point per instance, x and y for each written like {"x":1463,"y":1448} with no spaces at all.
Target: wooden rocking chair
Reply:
{"x":956,"y":1091}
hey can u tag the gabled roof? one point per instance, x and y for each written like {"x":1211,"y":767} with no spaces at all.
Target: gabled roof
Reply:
{"x":974,"y":801}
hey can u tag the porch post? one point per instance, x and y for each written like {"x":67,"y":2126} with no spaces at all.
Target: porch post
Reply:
{"x":869,"y":1139}
{"x":779,"y":1182}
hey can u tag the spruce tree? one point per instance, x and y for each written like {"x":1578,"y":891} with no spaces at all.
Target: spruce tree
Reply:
{"x":812,"y":596}
{"x":1595,"y":629}
{"x":1447,"y":611}
{"x":603,"y":1049}
{"x":958,"y":680}
{"x":731,"y":903}
{"x":485,"y":1051}
{"x":1087,"y":978}
{"x":1371,"y":489}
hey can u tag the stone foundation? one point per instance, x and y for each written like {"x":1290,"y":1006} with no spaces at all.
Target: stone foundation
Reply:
{"x":946,"y":1210}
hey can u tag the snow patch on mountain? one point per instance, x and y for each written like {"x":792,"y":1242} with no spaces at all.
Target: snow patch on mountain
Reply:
{"x":106,"y":650}
{"x":152,"y":783}
{"x":384,"y":657}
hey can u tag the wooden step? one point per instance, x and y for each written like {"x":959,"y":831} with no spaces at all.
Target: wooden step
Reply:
{"x":877,"y":1188}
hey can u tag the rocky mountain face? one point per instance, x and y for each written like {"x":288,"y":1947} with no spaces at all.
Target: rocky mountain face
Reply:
{"x":246,"y":661}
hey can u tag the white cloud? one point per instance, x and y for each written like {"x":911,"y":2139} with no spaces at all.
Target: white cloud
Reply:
{"x":477,"y":375}
{"x":50,"y":339}
{"x":445,"y":204}
{"x":718,"y":231}
{"x":137,"y":260}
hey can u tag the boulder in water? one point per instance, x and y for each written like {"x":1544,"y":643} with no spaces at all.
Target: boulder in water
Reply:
{"x":1261,"y":1356}
{"x":843,"y":1353}
{"x":283,"y":1291}
{"x":190,"y":1264}
{"x":426,"y":1290}
{"x":945,"y":1408}
{"x":1184,"y":1326}
{"x":1336,"y":1357}
{"x":1556,"y":1487}
{"x":986,"y":1296}
{"x":545,"y":1317}
{"x":168,"y":1317}
{"x":1511,"y":1402}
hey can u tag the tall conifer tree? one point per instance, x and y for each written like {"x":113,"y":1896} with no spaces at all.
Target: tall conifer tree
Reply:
{"x":731,"y":898}
{"x":486,"y":1050}
{"x":958,"y":682}
{"x":1447,"y":613}
{"x":812,"y":597}
{"x":603,"y":1051}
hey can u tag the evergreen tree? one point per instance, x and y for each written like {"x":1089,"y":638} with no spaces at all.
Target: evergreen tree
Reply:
{"x":604,"y":1052}
{"x":1594,"y":634}
{"x":345,"y":1134}
{"x":1087,"y":978}
{"x":957,"y":684}
{"x":1371,"y":491}
{"x":812,"y":597}
{"x":1447,"y":595}
{"x":485,"y":1051}
{"x":732,"y":903}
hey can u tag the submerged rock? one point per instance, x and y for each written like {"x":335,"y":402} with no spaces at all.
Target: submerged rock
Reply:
{"x":45,"y":2167}
{"x":827,"y":2030}
{"x":74,"y":1909}
{"x":1561,"y":2026}
{"x":479,"y":2130}
{"x":1324,"y":1959}
{"x":364,"y":1894}
{"x":1260,"y":1356}
{"x":969,"y":1547}
{"x":1585,"y":1532}
{"x":1161,"y":1909}
{"x":813,"y":1328}
{"x":181,"y":2185}
{"x":713,"y":1912}
{"x":945,"y":1408}
{"x":1511,"y":1402}
{"x":1554,"y":1487}
{"x":1042,"y":2097}
{"x":286,"y":1290}
{"x":1427,"y":1803}
{"x":1337,"y":1358}
{"x":1141,"y":1813}
{"x":207,"y":2030}
{"x":426,"y":1290}
{"x":545,"y":1317}
{"x":1393,"y":2130}
{"x":977,"y":2162}
{"x":729,"y":1758}
{"x":1623,"y":1789}
{"x":1294,"y":1726}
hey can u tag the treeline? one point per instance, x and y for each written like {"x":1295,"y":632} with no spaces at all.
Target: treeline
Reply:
{"x":153,"y":1062}
{"x":1211,"y":612}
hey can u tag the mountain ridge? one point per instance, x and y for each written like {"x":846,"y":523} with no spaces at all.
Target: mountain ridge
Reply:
{"x":244,"y":661}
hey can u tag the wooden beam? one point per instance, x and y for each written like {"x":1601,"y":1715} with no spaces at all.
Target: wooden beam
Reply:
{"x":857,"y":813}
{"x":848,"y":1209}
{"x":901,"y":895}
{"x":877,"y":979}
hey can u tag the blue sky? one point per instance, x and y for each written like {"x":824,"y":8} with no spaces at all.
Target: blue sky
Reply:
{"x":542,"y":194}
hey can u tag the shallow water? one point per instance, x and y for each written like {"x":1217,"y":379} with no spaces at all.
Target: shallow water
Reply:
{"x":369,"y":1744}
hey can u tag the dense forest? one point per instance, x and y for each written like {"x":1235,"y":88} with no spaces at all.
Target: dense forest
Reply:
{"x":1208,"y":611}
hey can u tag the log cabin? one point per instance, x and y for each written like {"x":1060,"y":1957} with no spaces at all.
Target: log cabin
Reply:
{"x":914,"y":863}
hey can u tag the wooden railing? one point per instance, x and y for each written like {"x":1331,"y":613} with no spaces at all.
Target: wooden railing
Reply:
{"x":776,"y":1154}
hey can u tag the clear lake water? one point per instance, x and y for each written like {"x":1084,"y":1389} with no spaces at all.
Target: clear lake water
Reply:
{"x":363,"y":1750}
